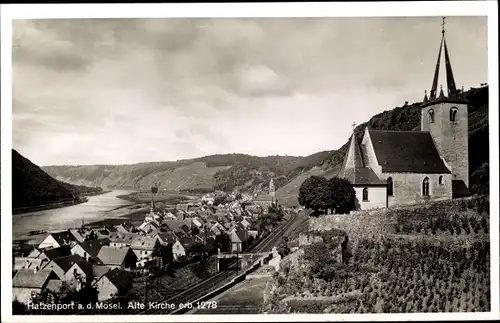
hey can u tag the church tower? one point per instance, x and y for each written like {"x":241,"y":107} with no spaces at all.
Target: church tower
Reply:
{"x":445,"y":116}
{"x":272,"y":192}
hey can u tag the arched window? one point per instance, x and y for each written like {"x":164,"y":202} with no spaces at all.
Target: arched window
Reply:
{"x":453,"y":114}
{"x":431,"y":116}
{"x":425,"y":187}
{"x":389,"y":186}
{"x":440,"y":180}
{"x":365,"y":194}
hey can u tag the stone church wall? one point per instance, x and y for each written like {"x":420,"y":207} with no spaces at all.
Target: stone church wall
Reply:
{"x":377,"y":197}
{"x":407,"y":188}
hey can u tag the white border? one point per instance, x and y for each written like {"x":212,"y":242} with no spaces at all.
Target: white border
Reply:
{"x":372,"y":9}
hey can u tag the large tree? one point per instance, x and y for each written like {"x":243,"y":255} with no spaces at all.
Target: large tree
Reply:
{"x":319,"y":194}
{"x":342,"y":195}
{"x":314,"y":194}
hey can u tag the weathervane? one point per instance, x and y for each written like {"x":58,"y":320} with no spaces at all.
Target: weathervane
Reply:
{"x":443,"y":24}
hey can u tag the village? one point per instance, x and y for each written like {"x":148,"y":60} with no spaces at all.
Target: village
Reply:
{"x":111,"y":259}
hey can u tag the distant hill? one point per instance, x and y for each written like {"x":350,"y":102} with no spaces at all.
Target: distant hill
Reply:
{"x":31,"y":186}
{"x":217,"y":172}
{"x":252,"y":174}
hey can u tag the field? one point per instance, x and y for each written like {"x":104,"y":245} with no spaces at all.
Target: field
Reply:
{"x":432,"y":258}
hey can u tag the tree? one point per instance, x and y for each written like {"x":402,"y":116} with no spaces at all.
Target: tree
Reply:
{"x":313,"y":193}
{"x":319,"y":194}
{"x":283,"y":248}
{"x":342,"y":195}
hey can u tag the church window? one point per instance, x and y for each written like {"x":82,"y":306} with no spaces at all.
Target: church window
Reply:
{"x":431,"y":116}
{"x":425,"y":187}
{"x":440,"y":180}
{"x":365,"y":194}
{"x":389,"y":186}
{"x":453,"y":114}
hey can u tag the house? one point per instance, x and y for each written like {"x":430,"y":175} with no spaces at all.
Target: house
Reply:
{"x":169,"y":216}
{"x":126,"y":227}
{"x":26,"y":283}
{"x":253,"y":233}
{"x":118,"y":239}
{"x":80,"y":271}
{"x":239,"y":238}
{"x":246,"y":223}
{"x":388,"y":168}
{"x":117,"y":257}
{"x":58,"y":239}
{"x":166,"y":238}
{"x":61,"y":265}
{"x":182,"y":247}
{"x":149,"y":226}
{"x":89,"y":249}
{"x":144,"y":248}
{"x":264,"y":201}
{"x":177,"y":226}
{"x":99,"y":271}
{"x":51,"y":254}
{"x":106,"y":232}
{"x":198,"y":222}
{"x":33,"y":264}
{"x":113,"y":283}
{"x":78,"y":234}
{"x":35,"y":253}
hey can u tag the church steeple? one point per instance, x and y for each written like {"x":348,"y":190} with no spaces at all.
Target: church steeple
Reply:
{"x":452,"y":92}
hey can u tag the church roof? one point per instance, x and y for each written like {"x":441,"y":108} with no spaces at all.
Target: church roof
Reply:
{"x":459,"y":188}
{"x":362,"y":176}
{"x":407,"y":152}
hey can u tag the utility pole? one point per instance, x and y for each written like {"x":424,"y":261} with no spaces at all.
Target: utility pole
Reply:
{"x":146,"y":290}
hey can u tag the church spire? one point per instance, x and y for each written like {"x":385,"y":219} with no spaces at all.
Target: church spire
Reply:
{"x":450,"y":79}
{"x":426,"y":99}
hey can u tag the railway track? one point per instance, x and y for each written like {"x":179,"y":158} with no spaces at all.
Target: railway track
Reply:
{"x":195,"y":291}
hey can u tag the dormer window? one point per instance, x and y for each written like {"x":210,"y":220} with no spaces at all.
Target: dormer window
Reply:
{"x":431,"y":116}
{"x":453,"y":114}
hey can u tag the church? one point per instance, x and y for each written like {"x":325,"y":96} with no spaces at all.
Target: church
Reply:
{"x":388,"y":168}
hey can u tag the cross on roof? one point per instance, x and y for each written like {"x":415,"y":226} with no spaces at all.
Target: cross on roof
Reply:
{"x":443,"y":23}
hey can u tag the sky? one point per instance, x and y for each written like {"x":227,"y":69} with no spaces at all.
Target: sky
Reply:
{"x":120,"y":91}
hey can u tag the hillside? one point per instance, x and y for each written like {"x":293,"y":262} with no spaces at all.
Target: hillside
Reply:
{"x":250,"y":173}
{"x":31,"y":186}
{"x":216,"y":172}
{"x":407,"y":118}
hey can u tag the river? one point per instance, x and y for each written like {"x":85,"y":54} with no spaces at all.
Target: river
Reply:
{"x":69,"y":216}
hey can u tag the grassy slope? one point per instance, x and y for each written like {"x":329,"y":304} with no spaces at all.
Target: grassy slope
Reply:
{"x":426,"y":258}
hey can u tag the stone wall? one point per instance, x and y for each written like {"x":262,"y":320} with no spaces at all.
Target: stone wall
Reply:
{"x":377,"y":197}
{"x":407,"y":188}
{"x":306,"y":239}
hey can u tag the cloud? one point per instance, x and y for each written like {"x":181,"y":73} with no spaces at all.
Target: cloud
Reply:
{"x":126,"y":90}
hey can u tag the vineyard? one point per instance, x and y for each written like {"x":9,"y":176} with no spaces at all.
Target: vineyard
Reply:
{"x":437,"y":260}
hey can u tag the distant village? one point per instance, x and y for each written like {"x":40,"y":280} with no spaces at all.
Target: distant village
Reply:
{"x":108,"y":258}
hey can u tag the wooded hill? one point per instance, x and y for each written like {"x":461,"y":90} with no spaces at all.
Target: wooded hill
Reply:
{"x":31,"y":186}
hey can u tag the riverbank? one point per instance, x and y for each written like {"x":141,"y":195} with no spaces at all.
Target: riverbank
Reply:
{"x":28,"y":209}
